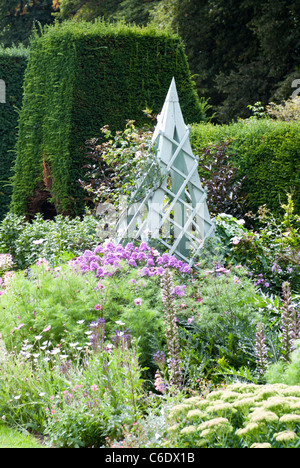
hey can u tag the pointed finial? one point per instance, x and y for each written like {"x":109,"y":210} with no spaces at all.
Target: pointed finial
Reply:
{"x":172,"y":95}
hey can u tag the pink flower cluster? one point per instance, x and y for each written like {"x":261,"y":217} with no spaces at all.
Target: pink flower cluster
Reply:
{"x":109,"y":258}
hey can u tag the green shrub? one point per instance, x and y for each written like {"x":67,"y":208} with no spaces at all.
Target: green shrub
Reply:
{"x":99,"y":400}
{"x":49,"y":239}
{"x":272,"y":253}
{"x":286,"y":372}
{"x":240,"y":416}
{"x":82,"y":76}
{"x":217,"y":321}
{"x":13,"y":63}
{"x":47,"y":302}
{"x":265,"y":152}
{"x":288,"y":110}
{"x":76,"y":400}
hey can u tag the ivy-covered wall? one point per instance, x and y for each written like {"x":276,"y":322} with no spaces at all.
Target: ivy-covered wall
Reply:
{"x":82,"y":76}
{"x":13,"y":62}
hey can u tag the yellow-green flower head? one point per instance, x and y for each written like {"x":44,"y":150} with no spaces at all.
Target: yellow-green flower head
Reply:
{"x":180,"y":409}
{"x":277,"y":404}
{"x":243,"y":388}
{"x":195,"y":414}
{"x":193,"y":400}
{"x":188,"y":430}
{"x":266,"y":392}
{"x":250,"y":429}
{"x":295,"y":407}
{"x":290,"y":418}
{"x":203,"y":404}
{"x":261,"y":445}
{"x":215,"y":426}
{"x":260,"y":415}
{"x":216,"y":395}
{"x":230,"y":396}
{"x":285,"y":436}
{"x":173,"y":428}
{"x":221,"y":408}
{"x":244,"y":403}
{"x":291,"y":390}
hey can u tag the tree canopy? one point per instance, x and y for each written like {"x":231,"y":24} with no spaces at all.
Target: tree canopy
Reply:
{"x":18,"y":17}
{"x":240,"y":51}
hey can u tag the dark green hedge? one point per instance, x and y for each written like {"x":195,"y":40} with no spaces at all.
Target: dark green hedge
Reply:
{"x":80,"y":77}
{"x":12,"y":67}
{"x":267,"y":152}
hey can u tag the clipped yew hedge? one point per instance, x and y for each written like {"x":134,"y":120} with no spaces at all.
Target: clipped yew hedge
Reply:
{"x":13,"y":63}
{"x":82,"y":76}
{"x":267,"y":155}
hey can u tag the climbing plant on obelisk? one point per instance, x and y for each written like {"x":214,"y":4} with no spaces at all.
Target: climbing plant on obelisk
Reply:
{"x":175,"y":213}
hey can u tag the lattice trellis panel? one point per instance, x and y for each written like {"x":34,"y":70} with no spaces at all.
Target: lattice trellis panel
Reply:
{"x":176,"y":212}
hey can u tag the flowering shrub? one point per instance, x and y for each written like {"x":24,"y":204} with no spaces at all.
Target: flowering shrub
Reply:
{"x":75,"y":405}
{"x":272,"y":253}
{"x":100,"y":398}
{"x":47,"y":301}
{"x":187,"y":326}
{"x":241,"y":415}
{"x":50,"y":239}
{"x":118,"y":162}
{"x":107,"y":259}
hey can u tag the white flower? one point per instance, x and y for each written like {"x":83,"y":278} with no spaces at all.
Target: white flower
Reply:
{"x":80,"y":322}
{"x":118,"y":322}
{"x":38,"y":241}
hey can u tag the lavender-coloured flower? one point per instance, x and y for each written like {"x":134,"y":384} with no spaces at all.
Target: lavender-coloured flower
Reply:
{"x":98,"y":336}
{"x":120,"y":338}
{"x":179,"y":291}
{"x":159,"y":358}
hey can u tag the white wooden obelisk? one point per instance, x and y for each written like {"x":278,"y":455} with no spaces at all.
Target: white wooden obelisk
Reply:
{"x":177,"y":213}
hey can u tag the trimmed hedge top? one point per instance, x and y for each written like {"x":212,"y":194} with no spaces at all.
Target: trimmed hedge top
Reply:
{"x":80,"y":77}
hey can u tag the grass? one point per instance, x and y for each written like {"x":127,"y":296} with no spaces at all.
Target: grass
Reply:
{"x":12,"y":438}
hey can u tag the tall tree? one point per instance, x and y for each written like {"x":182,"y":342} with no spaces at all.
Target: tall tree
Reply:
{"x":131,"y":11}
{"x":241,"y":50}
{"x":18,"y":17}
